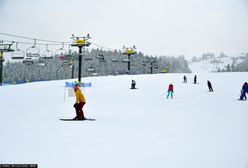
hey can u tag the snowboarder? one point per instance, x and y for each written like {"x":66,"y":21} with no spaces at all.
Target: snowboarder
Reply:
{"x":210,"y":86}
{"x":195,"y":79}
{"x":184,"y":79}
{"x":170,"y":91}
{"x":244,"y":90}
{"x":133,"y":84}
{"x":79,"y":104}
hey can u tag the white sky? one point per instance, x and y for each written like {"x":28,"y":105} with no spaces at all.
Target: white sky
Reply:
{"x":158,"y":27}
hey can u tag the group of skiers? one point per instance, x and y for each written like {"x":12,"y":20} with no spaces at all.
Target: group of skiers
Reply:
{"x":80,"y":99}
{"x":210,"y":88}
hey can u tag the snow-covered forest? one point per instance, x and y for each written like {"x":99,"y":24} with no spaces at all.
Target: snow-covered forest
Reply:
{"x":223,"y":62}
{"x":96,"y":62}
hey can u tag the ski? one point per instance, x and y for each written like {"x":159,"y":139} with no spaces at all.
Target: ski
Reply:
{"x":68,"y":119}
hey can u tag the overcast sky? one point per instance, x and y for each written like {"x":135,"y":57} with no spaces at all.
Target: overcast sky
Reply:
{"x":156,"y":27}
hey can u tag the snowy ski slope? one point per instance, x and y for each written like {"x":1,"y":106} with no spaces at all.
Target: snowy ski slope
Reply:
{"x":133,"y":128}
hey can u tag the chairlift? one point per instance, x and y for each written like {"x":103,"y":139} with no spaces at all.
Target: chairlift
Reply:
{"x":65,"y":63}
{"x":114,"y":60}
{"x":6,"y":47}
{"x":94,"y":74}
{"x":87,"y":57}
{"x":27,"y":61}
{"x":91,"y":69}
{"x":60,"y":53}
{"x":41,"y":63}
{"x":155,"y":66}
{"x":33,"y":51}
{"x":18,"y":54}
{"x":100,"y":57}
{"x":125,"y":60}
{"x":69,"y":55}
{"x":48,"y":54}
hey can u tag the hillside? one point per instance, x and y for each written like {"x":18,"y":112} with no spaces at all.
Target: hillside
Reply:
{"x":216,"y":64}
{"x":133,"y":128}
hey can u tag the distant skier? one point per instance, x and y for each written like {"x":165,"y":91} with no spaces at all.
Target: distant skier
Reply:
{"x":210,"y":86}
{"x":79,"y":104}
{"x":133,"y":84}
{"x":244,"y":90}
{"x":170,"y":91}
{"x":184,"y":79}
{"x":195,"y":79}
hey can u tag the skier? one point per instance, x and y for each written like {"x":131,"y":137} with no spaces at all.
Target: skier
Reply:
{"x":184,"y":79}
{"x":170,"y":91}
{"x":210,"y":86}
{"x":133,"y":84}
{"x":195,"y":79}
{"x":244,"y":90}
{"x":80,"y":102}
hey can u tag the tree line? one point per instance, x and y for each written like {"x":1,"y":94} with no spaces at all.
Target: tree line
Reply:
{"x":95,"y":62}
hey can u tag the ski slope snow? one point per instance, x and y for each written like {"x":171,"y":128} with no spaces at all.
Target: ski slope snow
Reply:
{"x":133,"y":128}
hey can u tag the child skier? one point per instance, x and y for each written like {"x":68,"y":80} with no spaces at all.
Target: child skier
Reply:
{"x":79,"y":104}
{"x":170,"y":91}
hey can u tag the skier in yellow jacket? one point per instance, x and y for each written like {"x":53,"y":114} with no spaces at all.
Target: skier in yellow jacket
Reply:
{"x":79,"y":104}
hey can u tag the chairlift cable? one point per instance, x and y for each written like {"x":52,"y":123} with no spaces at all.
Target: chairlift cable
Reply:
{"x":30,"y":38}
{"x":52,"y":42}
{"x":31,"y":43}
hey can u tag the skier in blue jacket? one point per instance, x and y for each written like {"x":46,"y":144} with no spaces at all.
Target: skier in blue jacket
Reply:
{"x":244,"y":90}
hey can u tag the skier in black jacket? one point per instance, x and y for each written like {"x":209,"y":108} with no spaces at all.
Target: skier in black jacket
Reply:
{"x":210,"y":86}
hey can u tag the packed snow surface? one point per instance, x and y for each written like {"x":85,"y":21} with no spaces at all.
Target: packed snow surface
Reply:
{"x":133,"y":129}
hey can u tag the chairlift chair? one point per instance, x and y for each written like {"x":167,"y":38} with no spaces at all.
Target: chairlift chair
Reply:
{"x":100,"y":57}
{"x":48,"y":54}
{"x":88,"y":58}
{"x":65,"y":63}
{"x":60,"y":53}
{"x":41,"y":63}
{"x":90,"y":69}
{"x":94,"y":74}
{"x":27,"y":61}
{"x":156,"y":66}
{"x":18,"y":54}
{"x":114,"y":60}
{"x":6,"y":47}
{"x":125,"y":60}
{"x":69,"y":54}
{"x":33,"y":51}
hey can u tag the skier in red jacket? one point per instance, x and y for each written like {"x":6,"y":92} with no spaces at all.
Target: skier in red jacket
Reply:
{"x":170,"y":91}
